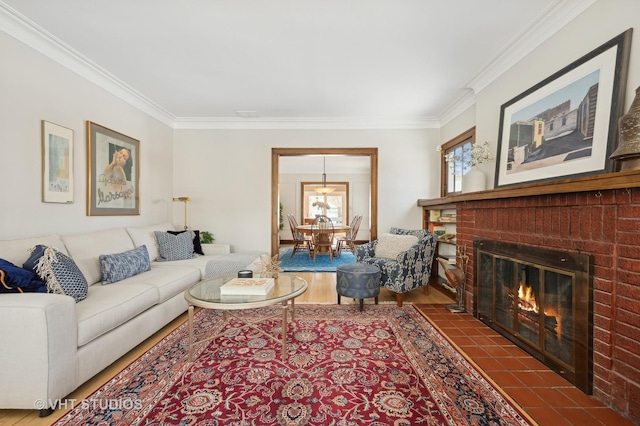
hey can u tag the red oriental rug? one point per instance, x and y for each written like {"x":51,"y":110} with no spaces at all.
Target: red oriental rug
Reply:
{"x":385,"y":366}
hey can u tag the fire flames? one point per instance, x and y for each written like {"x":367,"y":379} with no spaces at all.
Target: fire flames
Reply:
{"x":526,"y":299}
{"x":527,"y":302}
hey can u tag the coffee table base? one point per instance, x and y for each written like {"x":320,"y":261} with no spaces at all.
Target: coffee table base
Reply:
{"x":285,"y":310}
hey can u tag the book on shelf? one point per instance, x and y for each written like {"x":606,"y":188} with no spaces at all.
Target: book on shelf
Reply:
{"x":438,"y":230}
{"x":247,"y":287}
{"x":434,"y":215}
{"x":447,"y":218}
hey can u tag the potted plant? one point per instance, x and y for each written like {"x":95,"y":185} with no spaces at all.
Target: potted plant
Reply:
{"x":207,"y":237}
{"x":206,"y":241}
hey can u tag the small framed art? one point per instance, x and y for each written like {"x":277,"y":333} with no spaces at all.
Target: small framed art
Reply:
{"x":113,"y":172}
{"x":57,"y":163}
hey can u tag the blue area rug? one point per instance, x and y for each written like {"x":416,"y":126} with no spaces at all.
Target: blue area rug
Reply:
{"x":301,"y":262}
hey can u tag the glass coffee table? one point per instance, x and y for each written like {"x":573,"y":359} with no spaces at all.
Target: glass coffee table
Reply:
{"x":206,"y":294}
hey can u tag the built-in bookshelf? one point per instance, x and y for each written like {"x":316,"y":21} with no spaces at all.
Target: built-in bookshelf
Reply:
{"x":441,"y":221}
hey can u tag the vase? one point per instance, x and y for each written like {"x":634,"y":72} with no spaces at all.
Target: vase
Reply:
{"x":474,"y":180}
{"x":628,"y":152}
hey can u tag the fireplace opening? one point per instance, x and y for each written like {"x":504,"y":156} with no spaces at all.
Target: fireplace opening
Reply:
{"x":541,"y":300}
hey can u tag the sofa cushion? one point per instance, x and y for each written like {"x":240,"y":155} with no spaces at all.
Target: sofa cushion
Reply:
{"x":168,"y":281}
{"x":117,"y":267}
{"x":59,"y":271}
{"x":18,"y":251}
{"x":85,"y":249}
{"x":197,"y":245}
{"x":109,"y":306}
{"x":175,"y":247}
{"x":146,"y":235}
{"x":389,"y":246}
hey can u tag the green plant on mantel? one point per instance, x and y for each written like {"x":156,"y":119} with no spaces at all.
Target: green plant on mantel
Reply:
{"x":281,"y":217}
{"x":207,"y":237}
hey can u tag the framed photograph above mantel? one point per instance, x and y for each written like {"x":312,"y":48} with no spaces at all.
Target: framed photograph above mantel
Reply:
{"x":113,"y":172}
{"x":566,"y":125}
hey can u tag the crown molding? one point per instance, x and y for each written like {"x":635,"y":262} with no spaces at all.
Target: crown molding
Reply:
{"x":458,"y":106}
{"x":546,"y":24}
{"x":305,"y":123}
{"x":549,"y":21}
{"x":28,"y":32}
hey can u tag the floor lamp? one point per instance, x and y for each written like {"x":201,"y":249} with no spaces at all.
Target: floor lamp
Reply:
{"x":184,"y":200}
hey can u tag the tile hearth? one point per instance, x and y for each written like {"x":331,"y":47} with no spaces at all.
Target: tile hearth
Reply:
{"x":544,"y":395}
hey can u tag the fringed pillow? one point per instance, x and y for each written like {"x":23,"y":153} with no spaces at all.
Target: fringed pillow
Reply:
{"x":59,"y":271}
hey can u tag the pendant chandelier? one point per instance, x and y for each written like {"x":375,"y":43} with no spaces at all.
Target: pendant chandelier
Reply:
{"x":323,"y":189}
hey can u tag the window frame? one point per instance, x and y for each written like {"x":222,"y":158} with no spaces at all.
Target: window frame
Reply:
{"x":459,"y":141}
{"x":341,"y":189}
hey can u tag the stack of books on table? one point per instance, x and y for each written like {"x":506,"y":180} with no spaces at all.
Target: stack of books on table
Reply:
{"x":247,"y":287}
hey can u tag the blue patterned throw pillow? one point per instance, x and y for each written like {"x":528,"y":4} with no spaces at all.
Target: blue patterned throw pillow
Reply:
{"x":59,"y":271}
{"x":117,"y":267}
{"x":175,"y":247}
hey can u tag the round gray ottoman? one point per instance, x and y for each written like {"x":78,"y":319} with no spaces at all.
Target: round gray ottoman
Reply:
{"x":358,"y":280}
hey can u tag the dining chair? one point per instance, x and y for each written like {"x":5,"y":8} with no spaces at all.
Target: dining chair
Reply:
{"x":300,"y":240}
{"x":348,"y":242}
{"x":322,"y":234}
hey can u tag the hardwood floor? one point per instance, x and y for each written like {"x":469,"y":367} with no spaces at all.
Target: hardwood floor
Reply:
{"x":321,"y":290}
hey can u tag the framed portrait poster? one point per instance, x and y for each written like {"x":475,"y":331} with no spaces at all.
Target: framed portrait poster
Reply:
{"x":57,"y":163}
{"x":113,"y":178}
{"x":566,"y":125}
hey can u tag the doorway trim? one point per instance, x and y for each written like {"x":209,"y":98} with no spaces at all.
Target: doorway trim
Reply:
{"x":276,"y":153}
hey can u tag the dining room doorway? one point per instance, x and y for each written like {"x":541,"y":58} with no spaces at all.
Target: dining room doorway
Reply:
{"x":277,"y":153}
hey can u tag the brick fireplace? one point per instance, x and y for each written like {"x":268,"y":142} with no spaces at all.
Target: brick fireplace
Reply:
{"x":604,"y":224}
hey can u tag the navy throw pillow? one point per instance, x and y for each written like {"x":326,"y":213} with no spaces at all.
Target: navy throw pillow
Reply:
{"x":14,"y":279}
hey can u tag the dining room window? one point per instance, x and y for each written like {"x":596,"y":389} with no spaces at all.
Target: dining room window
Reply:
{"x":334,"y":204}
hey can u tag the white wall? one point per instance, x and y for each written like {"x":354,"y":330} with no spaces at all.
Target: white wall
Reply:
{"x":228,"y":172}
{"x":34,"y":88}
{"x":290,"y":192}
{"x":228,"y":175}
{"x":600,"y":23}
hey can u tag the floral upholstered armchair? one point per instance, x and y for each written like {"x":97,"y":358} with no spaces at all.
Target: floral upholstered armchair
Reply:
{"x":404,"y":258}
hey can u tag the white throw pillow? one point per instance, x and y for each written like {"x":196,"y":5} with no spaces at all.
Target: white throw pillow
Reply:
{"x":145,"y":235}
{"x":390,"y":245}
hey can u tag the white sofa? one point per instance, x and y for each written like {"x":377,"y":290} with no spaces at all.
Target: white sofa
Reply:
{"x":51,"y":344}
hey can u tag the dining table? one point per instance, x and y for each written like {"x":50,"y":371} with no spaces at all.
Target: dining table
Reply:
{"x":337,"y":229}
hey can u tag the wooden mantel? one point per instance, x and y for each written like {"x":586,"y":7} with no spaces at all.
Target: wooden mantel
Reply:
{"x":617,"y":180}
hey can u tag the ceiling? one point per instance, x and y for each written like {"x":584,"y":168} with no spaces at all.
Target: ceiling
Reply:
{"x":286,"y":63}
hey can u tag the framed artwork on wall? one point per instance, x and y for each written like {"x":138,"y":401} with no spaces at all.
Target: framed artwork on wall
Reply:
{"x":113,"y":172}
{"x":566,"y":125}
{"x":57,"y":163}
